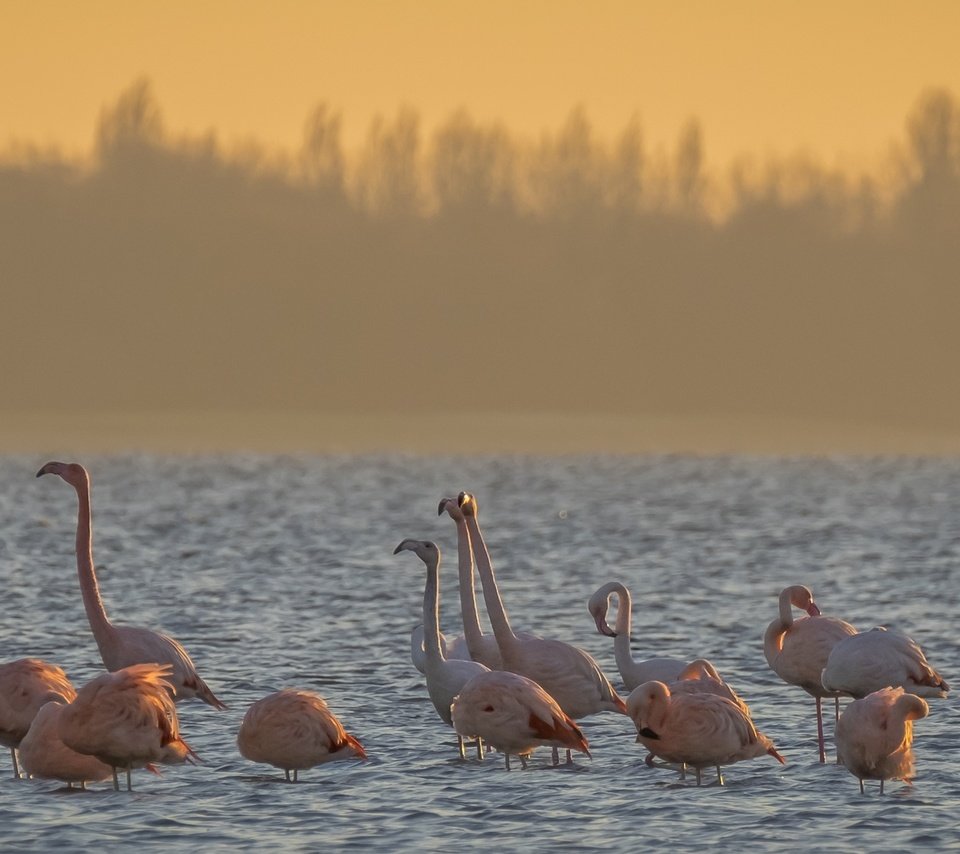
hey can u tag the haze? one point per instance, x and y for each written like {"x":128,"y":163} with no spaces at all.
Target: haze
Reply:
{"x":479,"y":227}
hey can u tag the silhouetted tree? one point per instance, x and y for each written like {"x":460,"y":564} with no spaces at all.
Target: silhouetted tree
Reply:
{"x":689,"y":178}
{"x":321,"y":157}
{"x":625,"y":175}
{"x":132,"y":124}
{"x":388,"y":180}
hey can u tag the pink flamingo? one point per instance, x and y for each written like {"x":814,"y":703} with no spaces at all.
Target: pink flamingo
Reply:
{"x":632,"y":672}
{"x":515,"y":715}
{"x":445,"y":678}
{"x":797,"y":650}
{"x":122,"y":646}
{"x":474,"y":643}
{"x":875,"y":735}
{"x":44,"y":755}
{"x":126,"y":719}
{"x":881,"y":658}
{"x":295,"y":730}
{"x":568,"y":674}
{"x":25,"y":686}
{"x":698,"y":729}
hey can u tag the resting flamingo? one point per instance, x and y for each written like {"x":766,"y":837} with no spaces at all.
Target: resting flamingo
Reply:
{"x":121,"y":646}
{"x":881,"y":658}
{"x":445,"y":678}
{"x":875,"y":735}
{"x":126,"y":719}
{"x":515,"y":715}
{"x":44,"y":755}
{"x":797,"y":650}
{"x":295,"y":730}
{"x":566,"y":673}
{"x":25,"y":686}
{"x":632,"y":672}
{"x":698,"y":729}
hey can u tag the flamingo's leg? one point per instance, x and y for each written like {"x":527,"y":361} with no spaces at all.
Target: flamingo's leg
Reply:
{"x":823,"y":755}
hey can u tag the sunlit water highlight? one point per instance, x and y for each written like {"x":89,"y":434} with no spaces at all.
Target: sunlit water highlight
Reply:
{"x":278,"y":571}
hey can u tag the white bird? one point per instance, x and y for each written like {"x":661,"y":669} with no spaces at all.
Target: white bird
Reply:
{"x":295,"y":730}
{"x":122,"y":646}
{"x":797,"y":650}
{"x":875,"y":735}
{"x":418,"y":654}
{"x":126,"y":719}
{"x":43,"y":753}
{"x":632,"y":672}
{"x":881,"y":658}
{"x":698,"y":729}
{"x":445,"y":678}
{"x":25,"y":686}
{"x":566,"y":673}
{"x":515,"y":715}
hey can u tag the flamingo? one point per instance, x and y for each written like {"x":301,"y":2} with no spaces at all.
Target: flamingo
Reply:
{"x":25,"y":686}
{"x":43,"y":753}
{"x":632,"y":672}
{"x":875,"y":734}
{"x":881,"y":658}
{"x":477,"y":645}
{"x":295,"y":730}
{"x":698,"y":729}
{"x":122,"y":646}
{"x":418,"y":654}
{"x":797,"y":650}
{"x":126,"y":719}
{"x":515,"y":715}
{"x":566,"y":673}
{"x":445,"y":678}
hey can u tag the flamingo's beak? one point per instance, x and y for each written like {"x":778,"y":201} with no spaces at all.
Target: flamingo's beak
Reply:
{"x":813,"y":610}
{"x":440,"y":506}
{"x":603,"y":628}
{"x":646,"y":732}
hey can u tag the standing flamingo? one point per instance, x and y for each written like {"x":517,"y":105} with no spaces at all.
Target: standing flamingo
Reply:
{"x":632,"y":672}
{"x":44,"y":755}
{"x":875,"y":734}
{"x":126,"y":719}
{"x":698,"y":729}
{"x":295,"y":730}
{"x":566,"y":673}
{"x":122,"y":646}
{"x":797,"y":650}
{"x":515,"y":715}
{"x":881,"y":658}
{"x":25,"y":686}
{"x":445,"y":678}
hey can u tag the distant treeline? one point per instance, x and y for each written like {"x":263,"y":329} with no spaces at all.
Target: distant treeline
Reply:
{"x":477,"y":271}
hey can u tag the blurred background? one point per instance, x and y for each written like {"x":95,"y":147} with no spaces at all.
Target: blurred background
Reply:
{"x":473,"y":227}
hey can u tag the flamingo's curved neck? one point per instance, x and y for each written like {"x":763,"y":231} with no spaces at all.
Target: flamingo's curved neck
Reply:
{"x":621,"y":643}
{"x":491,"y":594}
{"x":89,"y":589}
{"x":786,"y":609}
{"x":431,"y":614}
{"x":773,"y":636}
{"x":468,"y":597}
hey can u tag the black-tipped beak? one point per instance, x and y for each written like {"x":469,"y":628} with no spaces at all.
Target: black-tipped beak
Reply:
{"x":398,"y":549}
{"x":41,"y":473}
{"x":603,"y":628}
{"x":440,"y":506}
{"x":646,"y":732}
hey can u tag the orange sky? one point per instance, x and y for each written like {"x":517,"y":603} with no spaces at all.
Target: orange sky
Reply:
{"x":833,"y":77}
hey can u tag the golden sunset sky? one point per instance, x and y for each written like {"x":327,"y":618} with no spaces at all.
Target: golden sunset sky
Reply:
{"x":832,"y":77}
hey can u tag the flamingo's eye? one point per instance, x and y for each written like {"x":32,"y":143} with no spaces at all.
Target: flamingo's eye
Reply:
{"x":488,"y":708}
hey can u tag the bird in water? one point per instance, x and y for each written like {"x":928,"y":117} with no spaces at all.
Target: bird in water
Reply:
{"x":127,"y":719}
{"x":515,"y":715}
{"x":122,"y":646}
{"x":295,"y":730}
{"x":25,"y":686}
{"x":797,"y":650}
{"x":875,"y":735}
{"x":44,"y":755}
{"x":445,"y":678}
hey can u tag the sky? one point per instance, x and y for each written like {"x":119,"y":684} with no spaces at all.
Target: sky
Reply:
{"x":834,"y":79}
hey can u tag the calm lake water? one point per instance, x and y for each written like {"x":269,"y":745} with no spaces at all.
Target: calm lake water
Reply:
{"x":278,"y":571}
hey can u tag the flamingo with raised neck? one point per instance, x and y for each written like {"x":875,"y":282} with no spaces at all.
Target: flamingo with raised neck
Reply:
{"x":122,"y":646}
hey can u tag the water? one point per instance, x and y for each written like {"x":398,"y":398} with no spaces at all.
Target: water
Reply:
{"x":278,"y":571}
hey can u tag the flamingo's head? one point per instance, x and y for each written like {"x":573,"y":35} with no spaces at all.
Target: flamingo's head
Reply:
{"x":467,"y":504}
{"x":801,"y":597}
{"x":73,"y":473}
{"x":426,"y":550}
{"x":450,"y":506}
{"x":647,"y":706}
{"x":597,"y":606}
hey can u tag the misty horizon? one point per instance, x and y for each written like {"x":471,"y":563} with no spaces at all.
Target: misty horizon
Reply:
{"x":475,"y":272}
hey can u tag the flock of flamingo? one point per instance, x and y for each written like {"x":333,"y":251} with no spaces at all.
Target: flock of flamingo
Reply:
{"x":512,"y":691}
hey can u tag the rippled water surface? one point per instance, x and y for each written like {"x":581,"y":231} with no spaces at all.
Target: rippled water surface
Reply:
{"x":278,"y":571}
